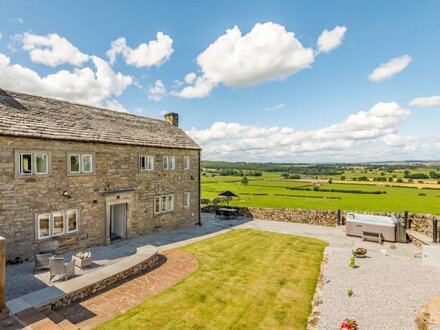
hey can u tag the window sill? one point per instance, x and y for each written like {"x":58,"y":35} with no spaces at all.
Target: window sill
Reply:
{"x":81,"y":174}
{"x":57,"y":237}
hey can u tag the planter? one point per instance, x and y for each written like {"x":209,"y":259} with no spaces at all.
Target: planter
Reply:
{"x":83,"y":262}
{"x":359,"y":252}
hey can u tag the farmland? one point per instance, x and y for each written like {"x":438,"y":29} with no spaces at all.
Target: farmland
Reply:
{"x":272,"y":189}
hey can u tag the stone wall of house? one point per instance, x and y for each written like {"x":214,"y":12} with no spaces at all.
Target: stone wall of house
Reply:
{"x":116,"y":167}
{"x":419,"y":222}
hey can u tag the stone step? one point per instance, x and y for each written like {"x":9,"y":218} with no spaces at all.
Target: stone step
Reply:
{"x":33,"y":319}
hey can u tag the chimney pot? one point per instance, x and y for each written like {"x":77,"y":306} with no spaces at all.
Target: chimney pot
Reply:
{"x":172,"y":118}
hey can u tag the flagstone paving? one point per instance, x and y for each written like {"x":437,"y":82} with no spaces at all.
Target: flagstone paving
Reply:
{"x":104,"y":306}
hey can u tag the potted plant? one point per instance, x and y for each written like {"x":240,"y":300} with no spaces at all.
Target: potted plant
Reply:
{"x":83,"y":259}
{"x":360,"y":252}
{"x":349,"y":324}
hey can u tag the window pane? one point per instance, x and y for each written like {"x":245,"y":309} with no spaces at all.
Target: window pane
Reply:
{"x":72,"y":221}
{"x":58,"y":223}
{"x":186,"y":200}
{"x":157,"y":205}
{"x":172,"y":163}
{"x":41,"y":162}
{"x":142,"y":162}
{"x":186,"y":163}
{"x":43,"y":225}
{"x":26,"y":163}
{"x":164,"y":203}
{"x":150,"y":163}
{"x":170,"y":202}
{"x":165,"y":163}
{"x":87,"y":163}
{"x":74,"y":163}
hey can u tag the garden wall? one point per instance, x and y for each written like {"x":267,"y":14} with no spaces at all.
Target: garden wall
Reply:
{"x":419,"y":222}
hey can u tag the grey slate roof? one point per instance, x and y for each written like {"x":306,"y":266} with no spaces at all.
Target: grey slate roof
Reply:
{"x":40,"y":117}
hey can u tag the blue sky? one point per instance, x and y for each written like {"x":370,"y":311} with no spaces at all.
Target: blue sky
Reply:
{"x":250,"y":105}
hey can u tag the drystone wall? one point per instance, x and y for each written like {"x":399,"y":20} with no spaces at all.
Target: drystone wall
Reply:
{"x":418,"y":222}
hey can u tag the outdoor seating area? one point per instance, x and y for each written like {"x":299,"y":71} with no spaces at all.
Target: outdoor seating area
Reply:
{"x":226,"y":213}
{"x":58,"y":267}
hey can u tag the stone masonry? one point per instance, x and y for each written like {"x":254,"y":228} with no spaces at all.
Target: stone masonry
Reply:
{"x":116,"y":168}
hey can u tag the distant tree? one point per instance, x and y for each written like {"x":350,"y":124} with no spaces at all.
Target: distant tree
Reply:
{"x":330,"y":180}
{"x":394,"y":175}
{"x":284,"y":176}
{"x":438,"y":182}
{"x":406,"y":173}
{"x":382,"y":173}
{"x":294,"y":176}
{"x":390,"y":180}
{"x":410,"y":180}
{"x":244,"y":181}
{"x":343,"y":178}
{"x":420,"y":181}
{"x":399,"y":180}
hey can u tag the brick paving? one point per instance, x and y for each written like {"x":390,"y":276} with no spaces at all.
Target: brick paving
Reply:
{"x":99,"y":308}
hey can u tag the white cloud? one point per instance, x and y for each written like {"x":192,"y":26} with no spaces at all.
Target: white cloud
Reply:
{"x":243,"y":142}
{"x":431,"y":101}
{"x":390,"y":68}
{"x":1,"y":36}
{"x":201,"y":87}
{"x":190,"y":78}
{"x":268,"y":52}
{"x":157,"y":92}
{"x":275,"y":107}
{"x":18,"y":20}
{"x":329,"y":40}
{"x":80,"y":85}
{"x":52,"y":50}
{"x":155,"y":52}
{"x":115,"y":105}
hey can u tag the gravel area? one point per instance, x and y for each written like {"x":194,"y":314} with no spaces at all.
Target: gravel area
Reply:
{"x":388,"y":291}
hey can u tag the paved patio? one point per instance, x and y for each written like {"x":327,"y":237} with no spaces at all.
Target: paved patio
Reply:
{"x":108,"y":304}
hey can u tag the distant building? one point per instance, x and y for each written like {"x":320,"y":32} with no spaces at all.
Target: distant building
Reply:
{"x":73,"y":176}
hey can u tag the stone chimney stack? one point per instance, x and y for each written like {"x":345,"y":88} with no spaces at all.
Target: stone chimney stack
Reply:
{"x":172,"y":118}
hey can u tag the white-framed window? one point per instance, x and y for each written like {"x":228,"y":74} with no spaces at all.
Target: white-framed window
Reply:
{"x":79,"y":163}
{"x":30,"y":163}
{"x":74,"y":163}
{"x":166,"y":163}
{"x":157,"y":204}
{"x":164,"y":203}
{"x":25,"y":163}
{"x":87,"y":163}
{"x":186,"y":163}
{"x":186,"y":199}
{"x":169,"y":162}
{"x":146,"y":163}
{"x":57,"y":223}
{"x":41,"y":163}
{"x":72,"y":221}
{"x":43,"y":226}
{"x":170,"y":202}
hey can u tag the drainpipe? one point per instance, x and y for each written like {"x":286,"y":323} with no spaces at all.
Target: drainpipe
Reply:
{"x":199,"y":189}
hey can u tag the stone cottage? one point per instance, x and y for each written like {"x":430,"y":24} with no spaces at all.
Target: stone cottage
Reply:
{"x":74,"y":176}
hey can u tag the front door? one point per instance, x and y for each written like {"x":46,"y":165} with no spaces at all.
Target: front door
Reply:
{"x":118,"y":221}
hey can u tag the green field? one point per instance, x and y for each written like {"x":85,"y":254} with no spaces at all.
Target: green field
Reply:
{"x":269,"y":190}
{"x":246,"y":280}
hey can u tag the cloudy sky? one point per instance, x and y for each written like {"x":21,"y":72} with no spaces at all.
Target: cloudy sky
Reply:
{"x":281,"y":81}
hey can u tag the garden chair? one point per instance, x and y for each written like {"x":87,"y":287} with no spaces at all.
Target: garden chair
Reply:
{"x":57,"y":266}
{"x":42,"y":261}
{"x":218,"y":213}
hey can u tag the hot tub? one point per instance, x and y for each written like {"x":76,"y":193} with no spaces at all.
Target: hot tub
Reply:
{"x":357,"y":224}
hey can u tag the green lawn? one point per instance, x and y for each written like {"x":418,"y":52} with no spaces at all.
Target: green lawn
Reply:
{"x":269,"y":191}
{"x":247,"y":279}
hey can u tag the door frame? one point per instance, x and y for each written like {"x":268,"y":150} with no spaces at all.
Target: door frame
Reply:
{"x":114,"y":199}
{"x":112,"y":219}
